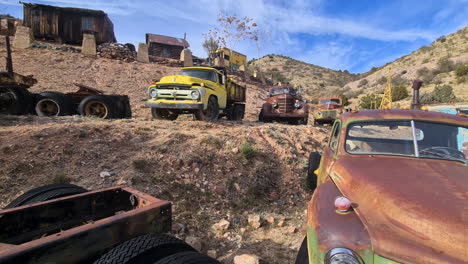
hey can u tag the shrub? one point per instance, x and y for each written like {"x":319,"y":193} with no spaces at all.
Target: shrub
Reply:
{"x":247,"y":151}
{"x":61,"y":178}
{"x":363,"y":82}
{"x":370,"y":101}
{"x":441,"y":39}
{"x":462,"y":70}
{"x":403,"y":72}
{"x":425,"y":74}
{"x":274,"y":69}
{"x":398,"y":80}
{"x":382,"y":80}
{"x":444,"y":94}
{"x":399,"y":92}
{"x":140,"y":164}
{"x":426,"y":60}
{"x":444,"y":65}
{"x":461,"y":79}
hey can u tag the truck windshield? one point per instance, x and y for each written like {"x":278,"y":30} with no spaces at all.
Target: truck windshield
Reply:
{"x":408,"y":138}
{"x":201,"y":74}
{"x":330,"y":101}
{"x":278,"y":91}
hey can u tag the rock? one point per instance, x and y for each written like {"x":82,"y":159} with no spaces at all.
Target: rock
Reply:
{"x":23,"y":38}
{"x":270,"y":219}
{"x":116,"y":51}
{"x":221,"y":225}
{"x":235,"y":150}
{"x":194,"y":242}
{"x":121,"y":182}
{"x":254,"y":221}
{"x":212,"y":253}
{"x":246,"y":259}
{"x":178,"y":228}
{"x":291,"y":230}
{"x":105,"y":174}
{"x":88,"y":47}
{"x":281,"y":222}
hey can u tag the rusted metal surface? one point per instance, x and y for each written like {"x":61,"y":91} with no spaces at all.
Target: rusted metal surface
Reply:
{"x":399,"y":114}
{"x":285,"y":109}
{"x":67,"y":25}
{"x":413,"y":210}
{"x":416,"y":104}
{"x":164,"y":46}
{"x":77,"y":229}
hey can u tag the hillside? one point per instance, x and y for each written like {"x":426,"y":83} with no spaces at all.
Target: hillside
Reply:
{"x":234,"y":169}
{"x":434,"y":64}
{"x":314,"y":80}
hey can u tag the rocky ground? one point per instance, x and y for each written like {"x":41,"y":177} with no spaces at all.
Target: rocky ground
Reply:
{"x":236,"y":187}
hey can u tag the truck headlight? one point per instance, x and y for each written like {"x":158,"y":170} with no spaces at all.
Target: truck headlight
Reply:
{"x":342,"y":256}
{"x":297,"y":104}
{"x":195,"y":95}
{"x":274,"y":104}
{"x":153,"y":93}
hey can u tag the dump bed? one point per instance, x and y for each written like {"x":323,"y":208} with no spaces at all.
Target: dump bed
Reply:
{"x":235,"y":92}
{"x":78,"y":228}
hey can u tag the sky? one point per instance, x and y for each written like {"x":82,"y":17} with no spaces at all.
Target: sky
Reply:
{"x":338,"y":34}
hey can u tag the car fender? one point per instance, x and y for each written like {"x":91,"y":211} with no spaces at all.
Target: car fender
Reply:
{"x":328,"y":229}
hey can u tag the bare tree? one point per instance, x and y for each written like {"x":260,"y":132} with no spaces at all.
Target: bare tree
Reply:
{"x":210,"y":44}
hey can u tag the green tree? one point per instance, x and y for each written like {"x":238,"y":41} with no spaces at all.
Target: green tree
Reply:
{"x":399,"y":92}
{"x":462,"y":70}
{"x":370,"y":101}
{"x":444,"y":94}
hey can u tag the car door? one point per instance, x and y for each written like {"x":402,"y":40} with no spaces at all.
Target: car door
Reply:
{"x":329,"y":156}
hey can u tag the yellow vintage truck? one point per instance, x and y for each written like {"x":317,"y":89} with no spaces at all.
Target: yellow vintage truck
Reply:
{"x":230,"y":58}
{"x":205,"y":92}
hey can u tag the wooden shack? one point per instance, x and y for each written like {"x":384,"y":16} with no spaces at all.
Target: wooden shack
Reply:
{"x":66,"y":24}
{"x":164,"y":46}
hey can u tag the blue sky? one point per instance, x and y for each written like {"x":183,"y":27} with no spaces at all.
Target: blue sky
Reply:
{"x":346,"y":34}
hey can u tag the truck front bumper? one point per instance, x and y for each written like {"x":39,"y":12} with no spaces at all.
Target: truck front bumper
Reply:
{"x":182,"y":106}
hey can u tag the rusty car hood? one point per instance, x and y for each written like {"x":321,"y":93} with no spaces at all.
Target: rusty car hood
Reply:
{"x":415,"y":210}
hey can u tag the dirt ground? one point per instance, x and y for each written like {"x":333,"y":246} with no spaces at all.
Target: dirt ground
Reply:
{"x":210,"y":171}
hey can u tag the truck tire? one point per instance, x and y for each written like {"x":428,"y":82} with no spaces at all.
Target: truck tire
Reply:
{"x":100,"y":106}
{"x":211,"y":113}
{"x":303,"y":121}
{"x":128,"y":110}
{"x":144,"y":249}
{"x":303,"y":254}
{"x":15,"y":101}
{"x":314,"y":163}
{"x":52,"y":104}
{"x":163,"y":114}
{"x":45,"y":193}
{"x":188,"y":258}
{"x":262,"y":118}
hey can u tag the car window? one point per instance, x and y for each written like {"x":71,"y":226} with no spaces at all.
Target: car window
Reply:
{"x":335,"y":136}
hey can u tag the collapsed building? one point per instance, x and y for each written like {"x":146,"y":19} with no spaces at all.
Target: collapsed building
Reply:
{"x":66,"y":24}
{"x":165,"y":46}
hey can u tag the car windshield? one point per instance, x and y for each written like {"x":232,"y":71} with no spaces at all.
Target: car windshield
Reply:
{"x":408,"y":138}
{"x":278,"y":91}
{"x":330,"y":101}
{"x":201,"y":74}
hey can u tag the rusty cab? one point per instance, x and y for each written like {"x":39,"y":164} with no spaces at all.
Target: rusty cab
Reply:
{"x":284,"y":104}
{"x":65,"y":223}
{"x":330,"y":108}
{"x":390,"y":187}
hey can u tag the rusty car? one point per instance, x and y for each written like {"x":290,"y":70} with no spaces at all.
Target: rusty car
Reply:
{"x":390,"y":187}
{"x":65,"y":223}
{"x":330,"y":108}
{"x":284,"y":104}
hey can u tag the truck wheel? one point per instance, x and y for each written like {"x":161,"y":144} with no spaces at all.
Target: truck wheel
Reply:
{"x":15,"y":101}
{"x":314,"y":163}
{"x":239,"y":112}
{"x":45,"y":193}
{"x":261,"y":118}
{"x":100,"y":106}
{"x":303,"y":121}
{"x":211,"y":113}
{"x":145,"y":249}
{"x":188,"y":258}
{"x":163,"y":114}
{"x":52,"y":104}
{"x":128,"y":109}
{"x":303,"y":254}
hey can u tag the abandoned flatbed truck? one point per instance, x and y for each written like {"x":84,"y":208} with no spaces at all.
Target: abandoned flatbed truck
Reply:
{"x":206,"y":92}
{"x":64,"y":223}
{"x":390,"y":187}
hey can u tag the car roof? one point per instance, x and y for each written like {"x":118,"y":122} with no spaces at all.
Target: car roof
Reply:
{"x":401,"y":114}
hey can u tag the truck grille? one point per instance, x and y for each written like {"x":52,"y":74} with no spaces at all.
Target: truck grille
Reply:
{"x":285,"y":105}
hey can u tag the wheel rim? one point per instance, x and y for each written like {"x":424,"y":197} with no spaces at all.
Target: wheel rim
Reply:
{"x":47,"y":107}
{"x":7,"y":99}
{"x":97,"y":109}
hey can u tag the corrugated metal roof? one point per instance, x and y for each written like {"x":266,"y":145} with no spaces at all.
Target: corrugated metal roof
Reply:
{"x":166,"y":40}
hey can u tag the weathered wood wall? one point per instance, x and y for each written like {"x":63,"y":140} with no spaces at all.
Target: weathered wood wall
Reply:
{"x":165,"y":51}
{"x":67,"y":25}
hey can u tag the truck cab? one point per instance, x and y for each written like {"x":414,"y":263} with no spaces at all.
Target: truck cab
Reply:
{"x":329,"y":110}
{"x":203,"y":91}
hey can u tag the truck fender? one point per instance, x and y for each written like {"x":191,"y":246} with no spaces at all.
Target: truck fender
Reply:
{"x":267,"y":108}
